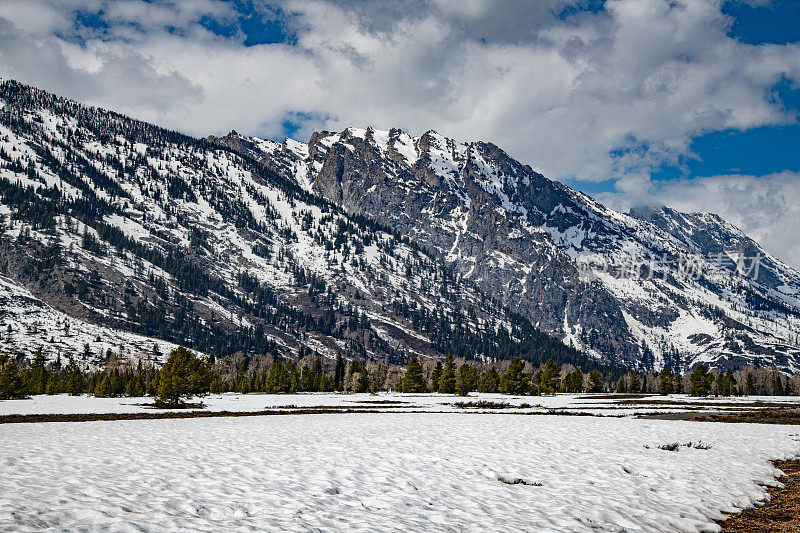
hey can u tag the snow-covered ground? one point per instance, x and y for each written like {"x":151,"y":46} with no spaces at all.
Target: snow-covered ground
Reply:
{"x":393,"y":402}
{"x":383,"y":472}
{"x":412,"y":466}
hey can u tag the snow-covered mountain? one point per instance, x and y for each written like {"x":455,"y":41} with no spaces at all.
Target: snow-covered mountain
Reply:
{"x":651,"y":288}
{"x":119,"y":237}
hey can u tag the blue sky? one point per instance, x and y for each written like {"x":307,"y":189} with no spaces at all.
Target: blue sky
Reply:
{"x":755,"y":151}
{"x":692,"y":103}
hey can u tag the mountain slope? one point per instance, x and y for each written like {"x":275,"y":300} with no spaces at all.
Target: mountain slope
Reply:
{"x":120,"y":224}
{"x":650,"y":289}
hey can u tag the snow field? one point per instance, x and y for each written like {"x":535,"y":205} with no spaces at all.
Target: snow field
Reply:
{"x":568,"y":403}
{"x":383,"y":472}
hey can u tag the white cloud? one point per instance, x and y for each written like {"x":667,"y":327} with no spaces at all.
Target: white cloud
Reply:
{"x":767,"y":208}
{"x":559,"y":94}
{"x":592,"y":96}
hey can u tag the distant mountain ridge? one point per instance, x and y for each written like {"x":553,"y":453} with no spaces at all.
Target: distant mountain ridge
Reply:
{"x":120,"y":240}
{"x":531,"y":241}
{"x":119,"y":237}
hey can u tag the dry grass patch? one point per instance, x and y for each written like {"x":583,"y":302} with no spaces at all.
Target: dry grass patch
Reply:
{"x":761,"y":416}
{"x":779,"y":515}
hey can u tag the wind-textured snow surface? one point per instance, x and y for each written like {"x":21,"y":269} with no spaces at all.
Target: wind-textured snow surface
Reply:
{"x":383,"y":472}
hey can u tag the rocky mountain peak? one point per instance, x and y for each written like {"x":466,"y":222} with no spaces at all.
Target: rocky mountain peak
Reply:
{"x":530,"y":241}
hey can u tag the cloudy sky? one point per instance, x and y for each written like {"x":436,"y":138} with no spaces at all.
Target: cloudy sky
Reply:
{"x":690,"y":103}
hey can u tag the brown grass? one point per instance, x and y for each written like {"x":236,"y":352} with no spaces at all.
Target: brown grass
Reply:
{"x":779,"y":515}
{"x":704,"y":403}
{"x":761,"y":416}
{"x":94,"y":417}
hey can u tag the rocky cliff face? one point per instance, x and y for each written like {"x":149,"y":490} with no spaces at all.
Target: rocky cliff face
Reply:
{"x":651,"y":288}
{"x":119,"y":237}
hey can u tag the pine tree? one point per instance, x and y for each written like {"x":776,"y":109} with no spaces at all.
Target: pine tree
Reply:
{"x":515,"y":381}
{"x":103,"y":387}
{"x":726,"y":384}
{"x":413,"y":381}
{"x":74,"y":382}
{"x":574,"y":381}
{"x":595,"y":381}
{"x":37,"y":375}
{"x":183,"y":376}
{"x":293,"y":376}
{"x":777,"y":387}
{"x":316,"y":374}
{"x":667,"y":383}
{"x":634,"y":384}
{"x":338,"y":376}
{"x":133,"y":388}
{"x":621,"y":387}
{"x":447,"y":382}
{"x":362,"y":383}
{"x":490,"y":381}
{"x":750,"y":385}
{"x":278,"y":380}
{"x":216,"y":387}
{"x":11,"y":383}
{"x":467,"y":379}
{"x":436,"y":375}
{"x":701,"y":381}
{"x":52,"y":384}
{"x":547,"y":378}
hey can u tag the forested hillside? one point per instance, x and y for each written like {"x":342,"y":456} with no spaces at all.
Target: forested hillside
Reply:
{"x":141,"y":239}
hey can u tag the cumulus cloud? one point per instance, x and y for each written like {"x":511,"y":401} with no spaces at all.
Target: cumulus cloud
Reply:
{"x":586,"y":95}
{"x":578,"y":94}
{"x":767,"y":208}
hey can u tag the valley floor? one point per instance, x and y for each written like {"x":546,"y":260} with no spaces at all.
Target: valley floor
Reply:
{"x":383,"y":471}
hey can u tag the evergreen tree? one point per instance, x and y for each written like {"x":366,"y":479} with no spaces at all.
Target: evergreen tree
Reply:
{"x":667,"y":383}
{"x":74,"y":381}
{"x":701,"y":381}
{"x":183,"y":376}
{"x":316,"y":374}
{"x":467,"y":379}
{"x":103,"y":387}
{"x":574,"y":381}
{"x":362,"y":383}
{"x":338,"y":376}
{"x":515,"y":381}
{"x":293,"y":375}
{"x":217,"y":386}
{"x":447,"y":382}
{"x":750,"y":385}
{"x":621,"y":387}
{"x":595,"y":381}
{"x":134,"y":388}
{"x":436,"y":376}
{"x":52,"y":383}
{"x":278,"y":379}
{"x":634,"y":384}
{"x":37,"y":374}
{"x":152,"y":384}
{"x":11,"y":383}
{"x":777,"y":384}
{"x":490,"y":381}
{"x":413,"y":381}
{"x":726,"y":384}
{"x":547,"y":378}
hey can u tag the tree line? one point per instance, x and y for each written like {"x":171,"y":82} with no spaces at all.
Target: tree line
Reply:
{"x":184,"y":375}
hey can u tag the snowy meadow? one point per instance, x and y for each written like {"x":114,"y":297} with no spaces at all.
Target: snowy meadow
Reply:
{"x":435,"y":467}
